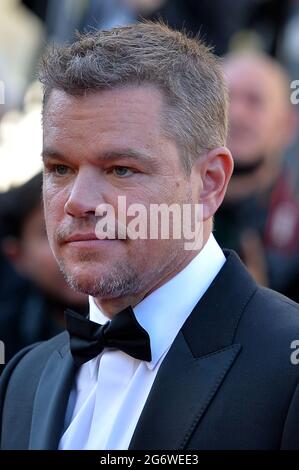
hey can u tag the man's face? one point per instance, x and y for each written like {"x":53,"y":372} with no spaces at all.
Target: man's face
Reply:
{"x":98,"y":147}
{"x":258,"y":110}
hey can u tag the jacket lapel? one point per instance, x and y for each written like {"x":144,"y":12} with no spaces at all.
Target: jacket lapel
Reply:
{"x":182,"y":392}
{"x":194,"y":369}
{"x":51,"y":400}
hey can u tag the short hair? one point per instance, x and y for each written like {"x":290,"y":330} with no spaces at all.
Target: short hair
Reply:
{"x":185,"y":70}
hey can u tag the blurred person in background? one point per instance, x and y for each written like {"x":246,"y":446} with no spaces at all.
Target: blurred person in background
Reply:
{"x":21,"y":39}
{"x":64,"y":17}
{"x":210,"y":19}
{"x":33,"y":294}
{"x":260,"y":215}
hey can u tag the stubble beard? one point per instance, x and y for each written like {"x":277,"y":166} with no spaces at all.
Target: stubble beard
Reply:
{"x":118,"y":281}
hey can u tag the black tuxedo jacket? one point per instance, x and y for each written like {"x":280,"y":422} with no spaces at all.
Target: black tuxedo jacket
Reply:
{"x":227,"y":381}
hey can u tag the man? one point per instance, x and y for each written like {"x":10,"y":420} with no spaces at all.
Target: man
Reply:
{"x":259,"y":217}
{"x":140,"y":112}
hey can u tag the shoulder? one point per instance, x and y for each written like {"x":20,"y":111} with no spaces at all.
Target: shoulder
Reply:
{"x":18,"y":385}
{"x":268,"y":331}
{"x":257,"y":309}
{"x":274,"y":310}
{"x":31,"y":361}
{"x":38,"y":352}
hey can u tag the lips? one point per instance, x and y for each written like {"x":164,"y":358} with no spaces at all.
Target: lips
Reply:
{"x":78,"y":237}
{"x":87,"y":237}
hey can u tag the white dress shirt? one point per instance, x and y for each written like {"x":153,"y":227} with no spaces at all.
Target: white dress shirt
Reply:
{"x":110,"y":390}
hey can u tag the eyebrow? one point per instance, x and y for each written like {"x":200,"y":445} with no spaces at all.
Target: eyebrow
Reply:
{"x":107,"y":156}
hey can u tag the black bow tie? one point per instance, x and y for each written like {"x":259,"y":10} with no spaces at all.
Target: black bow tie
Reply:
{"x":123,"y":332}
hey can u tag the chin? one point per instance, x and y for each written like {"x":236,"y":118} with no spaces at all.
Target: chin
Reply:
{"x":84,"y":278}
{"x":110,"y":281}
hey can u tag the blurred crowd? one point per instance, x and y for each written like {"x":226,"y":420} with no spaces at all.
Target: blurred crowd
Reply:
{"x":258,"y":41}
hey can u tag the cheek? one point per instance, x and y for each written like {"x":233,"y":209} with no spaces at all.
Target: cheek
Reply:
{"x":167,"y":189}
{"x":54,"y":202}
{"x":53,"y":194}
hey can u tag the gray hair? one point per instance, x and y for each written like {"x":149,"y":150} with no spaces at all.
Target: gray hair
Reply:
{"x":185,"y":70}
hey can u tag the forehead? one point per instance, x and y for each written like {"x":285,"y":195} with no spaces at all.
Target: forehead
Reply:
{"x":120,"y":121}
{"x":123,"y":111}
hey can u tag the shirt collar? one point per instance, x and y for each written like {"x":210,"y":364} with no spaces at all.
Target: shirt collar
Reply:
{"x":165,"y":310}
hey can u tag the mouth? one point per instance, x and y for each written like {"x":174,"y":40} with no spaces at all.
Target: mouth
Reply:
{"x":87,"y":240}
{"x":79,"y":237}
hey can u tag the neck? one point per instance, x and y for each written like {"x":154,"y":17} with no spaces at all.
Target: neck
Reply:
{"x":111,"y":307}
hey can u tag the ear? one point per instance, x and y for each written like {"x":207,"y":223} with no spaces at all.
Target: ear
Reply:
{"x":214,"y":170}
{"x":12,"y":249}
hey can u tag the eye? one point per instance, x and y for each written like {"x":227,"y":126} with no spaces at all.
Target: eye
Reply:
{"x":60,"y":170}
{"x":122,"y":171}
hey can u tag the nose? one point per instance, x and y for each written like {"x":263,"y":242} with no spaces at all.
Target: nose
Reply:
{"x":85,"y":194}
